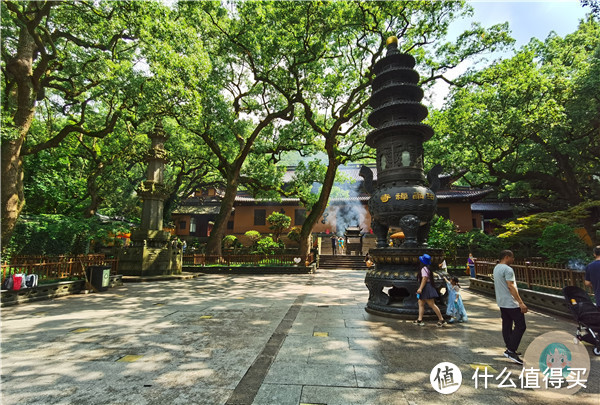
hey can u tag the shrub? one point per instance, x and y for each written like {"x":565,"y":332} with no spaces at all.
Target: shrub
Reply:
{"x":294,"y":234}
{"x":254,"y":236}
{"x":267,"y":246}
{"x":560,"y":244}
{"x":53,"y":234}
{"x":278,"y":223}
{"x":229,"y":241}
{"x":481,"y":244}
{"x":443,"y":235}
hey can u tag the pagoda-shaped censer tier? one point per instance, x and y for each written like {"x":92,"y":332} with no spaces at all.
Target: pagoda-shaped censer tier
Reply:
{"x":402,"y":199}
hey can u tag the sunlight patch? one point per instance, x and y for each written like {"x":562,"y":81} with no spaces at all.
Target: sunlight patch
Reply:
{"x":476,"y":366}
{"x":130,"y":358}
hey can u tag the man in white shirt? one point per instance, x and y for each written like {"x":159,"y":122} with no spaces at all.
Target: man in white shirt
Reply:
{"x":512,"y":307}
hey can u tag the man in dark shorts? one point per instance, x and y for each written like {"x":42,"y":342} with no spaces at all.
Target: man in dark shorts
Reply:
{"x":592,"y":275}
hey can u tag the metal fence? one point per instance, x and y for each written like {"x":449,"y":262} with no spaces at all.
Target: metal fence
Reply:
{"x":28,"y":259}
{"x":537,"y":275}
{"x":255,"y":259}
{"x":58,"y":268}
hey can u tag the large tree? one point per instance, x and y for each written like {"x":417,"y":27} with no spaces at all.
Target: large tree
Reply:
{"x":256,"y":49}
{"x":85,"y":174}
{"x":311,"y":61}
{"x":530,"y":125}
{"x":76,"y":69}
{"x":335,"y":99}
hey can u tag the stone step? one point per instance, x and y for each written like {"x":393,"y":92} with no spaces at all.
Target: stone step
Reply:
{"x":342,"y":262}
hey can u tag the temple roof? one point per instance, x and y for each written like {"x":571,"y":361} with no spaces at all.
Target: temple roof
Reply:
{"x":197,"y":210}
{"x":462,"y":195}
{"x":448,"y":193}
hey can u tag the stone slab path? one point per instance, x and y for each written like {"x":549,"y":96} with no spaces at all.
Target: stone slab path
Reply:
{"x":215,"y":339}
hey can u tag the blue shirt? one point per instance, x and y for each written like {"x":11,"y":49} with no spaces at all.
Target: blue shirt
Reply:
{"x":592,"y":274}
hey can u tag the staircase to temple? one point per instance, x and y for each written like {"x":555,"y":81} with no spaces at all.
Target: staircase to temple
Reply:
{"x":342,"y":262}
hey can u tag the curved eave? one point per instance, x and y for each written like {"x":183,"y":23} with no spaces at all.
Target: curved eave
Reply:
{"x":395,"y":59}
{"x":399,"y":127}
{"x":395,"y":74}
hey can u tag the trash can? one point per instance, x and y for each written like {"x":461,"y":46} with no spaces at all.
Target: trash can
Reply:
{"x":98,"y":276}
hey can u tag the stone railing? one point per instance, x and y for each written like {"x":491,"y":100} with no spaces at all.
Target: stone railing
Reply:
{"x":552,"y":303}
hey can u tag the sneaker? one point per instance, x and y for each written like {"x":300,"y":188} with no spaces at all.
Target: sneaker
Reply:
{"x":513,"y":356}
{"x":441,"y":323}
{"x":419,"y":322}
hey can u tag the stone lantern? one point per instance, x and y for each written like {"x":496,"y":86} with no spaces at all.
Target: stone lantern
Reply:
{"x":403,"y":198}
{"x":152,"y":251}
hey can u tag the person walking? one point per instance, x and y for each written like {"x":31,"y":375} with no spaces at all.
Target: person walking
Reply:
{"x":471,"y":264}
{"x":333,"y":244}
{"x":592,"y":275}
{"x":512,"y":307}
{"x":426,"y":293}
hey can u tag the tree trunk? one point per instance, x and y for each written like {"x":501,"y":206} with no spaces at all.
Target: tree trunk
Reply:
{"x":318,"y":209}
{"x":20,"y":69}
{"x":95,"y":202}
{"x":213,"y":246}
{"x":13,"y":198}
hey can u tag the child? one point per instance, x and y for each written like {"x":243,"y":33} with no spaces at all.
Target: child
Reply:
{"x":455,"y":309}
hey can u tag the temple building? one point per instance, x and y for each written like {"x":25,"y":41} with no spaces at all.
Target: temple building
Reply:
{"x":194,"y":217}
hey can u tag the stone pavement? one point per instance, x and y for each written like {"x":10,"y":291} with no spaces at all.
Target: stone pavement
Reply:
{"x":301,"y":339}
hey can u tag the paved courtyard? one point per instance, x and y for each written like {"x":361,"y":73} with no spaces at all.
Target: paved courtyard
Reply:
{"x":254,"y":339}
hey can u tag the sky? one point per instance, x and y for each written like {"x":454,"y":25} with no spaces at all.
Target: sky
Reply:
{"x":527,"y":19}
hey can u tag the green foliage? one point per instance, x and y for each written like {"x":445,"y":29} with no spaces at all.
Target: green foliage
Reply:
{"x":560,"y":245}
{"x":86,"y":175}
{"x":267,"y":246}
{"x":229,"y":241}
{"x":278,"y":223}
{"x":254,"y":236}
{"x":528,"y":125}
{"x":101,"y":74}
{"x":294,"y":234}
{"x":54,"y":234}
{"x":443,"y":235}
{"x":526,"y":230}
{"x":480,"y":243}
{"x":305,"y":176}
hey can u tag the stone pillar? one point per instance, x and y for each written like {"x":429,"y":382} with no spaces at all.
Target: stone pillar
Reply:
{"x":152,"y":251}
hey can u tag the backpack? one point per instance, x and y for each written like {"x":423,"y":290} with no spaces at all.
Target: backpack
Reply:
{"x":31,"y":280}
{"x":8,"y":283}
{"x":17,"y":281}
